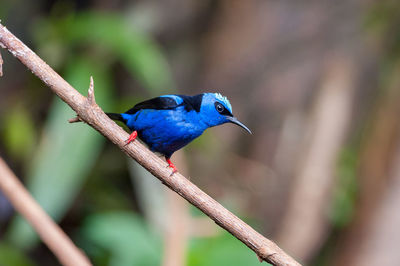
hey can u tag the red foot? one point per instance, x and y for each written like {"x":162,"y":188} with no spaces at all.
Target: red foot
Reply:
{"x":131,"y":138}
{"x":170,"y":164}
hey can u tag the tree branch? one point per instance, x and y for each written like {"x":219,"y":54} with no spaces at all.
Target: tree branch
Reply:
{"x":51,"y":234}
{"x":89,"y":112}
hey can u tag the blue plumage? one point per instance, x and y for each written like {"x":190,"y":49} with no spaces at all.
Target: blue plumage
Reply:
{"x":169,"y":122}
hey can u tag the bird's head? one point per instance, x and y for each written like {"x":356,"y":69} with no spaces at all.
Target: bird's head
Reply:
{"x":216,"y":110}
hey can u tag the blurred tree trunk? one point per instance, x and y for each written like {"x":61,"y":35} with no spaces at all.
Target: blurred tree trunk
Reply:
{"x":306,"y":225}
{"x":373,"y":230}
{"x":380,"y":244}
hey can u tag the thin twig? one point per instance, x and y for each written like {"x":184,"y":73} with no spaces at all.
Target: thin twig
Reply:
{"x":89,"y":112}
{"x":75,"y":119}
{"x":51,"y":234}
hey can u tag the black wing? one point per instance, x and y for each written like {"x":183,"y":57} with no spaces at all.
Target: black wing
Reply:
{"x":192,"y":102}
{"x":158,"y":103}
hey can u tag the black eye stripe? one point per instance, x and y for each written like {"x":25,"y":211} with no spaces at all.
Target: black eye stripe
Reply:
{"x":221,"y":109}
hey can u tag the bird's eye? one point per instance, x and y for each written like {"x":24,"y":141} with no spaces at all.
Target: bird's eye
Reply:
{"x":220,"y":108}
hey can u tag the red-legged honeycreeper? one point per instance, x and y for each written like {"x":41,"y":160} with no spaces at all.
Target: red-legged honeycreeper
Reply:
{"x":169,"y":122}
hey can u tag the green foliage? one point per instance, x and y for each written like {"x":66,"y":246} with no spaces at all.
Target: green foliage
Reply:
{"x":221,"y":250}
{"x":122,"y":235}
{"x":13,"y":256}
{"x":384,"y":20}
{"x":19,"y":132}
{"x":134,"y":49}
{"x":383,"y":14}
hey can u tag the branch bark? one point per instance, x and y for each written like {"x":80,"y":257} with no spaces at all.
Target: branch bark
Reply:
{"x":89,"y":112}
{"x":51,"y":234}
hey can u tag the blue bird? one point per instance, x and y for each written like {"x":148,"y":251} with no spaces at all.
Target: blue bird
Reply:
{"x":169,"y":122}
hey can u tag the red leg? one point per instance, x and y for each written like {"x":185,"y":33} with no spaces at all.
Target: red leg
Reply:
{"x":131,"y":138}
{"x":170,"y":164}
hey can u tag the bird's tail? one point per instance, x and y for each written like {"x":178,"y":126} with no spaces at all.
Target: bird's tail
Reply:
{"x":114,"y":116}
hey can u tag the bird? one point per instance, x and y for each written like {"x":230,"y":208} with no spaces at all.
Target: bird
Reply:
{"x":169,"y":122}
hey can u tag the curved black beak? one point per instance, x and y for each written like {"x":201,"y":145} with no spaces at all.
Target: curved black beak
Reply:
{"x":234,"y":120}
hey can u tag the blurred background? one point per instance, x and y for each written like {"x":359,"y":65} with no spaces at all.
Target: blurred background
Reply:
{"x":318,"y":83}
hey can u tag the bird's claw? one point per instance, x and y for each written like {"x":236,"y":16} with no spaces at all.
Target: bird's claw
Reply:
{"x":174,"y":170}
{"x":131,"y":138}
{"x":171,"y":165}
